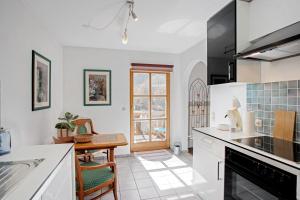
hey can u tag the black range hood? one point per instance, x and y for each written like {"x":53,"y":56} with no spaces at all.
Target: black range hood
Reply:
{"x":281,"y":44}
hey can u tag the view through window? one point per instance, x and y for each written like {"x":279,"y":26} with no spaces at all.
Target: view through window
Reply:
{"x":149,"y":108}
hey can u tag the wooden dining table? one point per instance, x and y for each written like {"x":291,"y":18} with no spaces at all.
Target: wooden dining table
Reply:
{"x":108,"y":141}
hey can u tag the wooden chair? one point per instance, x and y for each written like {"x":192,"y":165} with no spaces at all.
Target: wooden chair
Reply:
{"x":85,"y":126}
{"x":92,"y":177}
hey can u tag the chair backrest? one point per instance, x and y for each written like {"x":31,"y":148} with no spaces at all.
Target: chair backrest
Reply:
{"x":84,"y":126}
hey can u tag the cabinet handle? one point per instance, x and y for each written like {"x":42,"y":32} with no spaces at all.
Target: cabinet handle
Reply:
{"x":218,"y":176}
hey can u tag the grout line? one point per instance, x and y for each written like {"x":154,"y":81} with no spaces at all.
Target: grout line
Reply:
{"x":134,"y":179}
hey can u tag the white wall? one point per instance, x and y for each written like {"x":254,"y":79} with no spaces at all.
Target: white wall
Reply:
{"x":193,"y":56}
{"x":115,"y":118}
{"x":248,"y":71}
{"x":267,"y":16}
{"x":199,"y":71}
{"x":282,"y":70}
{"x":19,"y":35}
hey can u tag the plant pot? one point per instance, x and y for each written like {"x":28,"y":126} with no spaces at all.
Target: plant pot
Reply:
{"x":62,"y":133}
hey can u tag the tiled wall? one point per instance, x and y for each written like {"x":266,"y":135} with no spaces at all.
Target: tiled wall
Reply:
{"x":265,"y":98}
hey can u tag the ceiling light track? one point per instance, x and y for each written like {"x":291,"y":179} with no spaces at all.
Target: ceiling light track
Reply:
{"x":131,"y":14}
{"x":89,"y":25}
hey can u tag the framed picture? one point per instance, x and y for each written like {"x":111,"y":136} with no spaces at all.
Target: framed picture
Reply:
{"x":41,"y":82}
{"x":97,"y":87}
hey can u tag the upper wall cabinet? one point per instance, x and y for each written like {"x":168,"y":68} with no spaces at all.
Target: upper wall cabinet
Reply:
{"x":227,"y":32}
{"x":221,"y":46}
{"x":267,"y":16}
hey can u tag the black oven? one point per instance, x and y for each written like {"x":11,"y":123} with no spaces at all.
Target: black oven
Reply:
{"x":247,"y":178}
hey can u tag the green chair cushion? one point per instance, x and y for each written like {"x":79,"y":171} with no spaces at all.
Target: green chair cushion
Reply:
{"x":93,"y":178}
{"x":92,"y":151}
{"x":86,"y":151}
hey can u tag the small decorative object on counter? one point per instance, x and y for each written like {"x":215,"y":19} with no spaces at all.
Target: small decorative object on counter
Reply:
{"x":65,"y":125}
{"x":5,"y":141}
{"x":234,"y":115}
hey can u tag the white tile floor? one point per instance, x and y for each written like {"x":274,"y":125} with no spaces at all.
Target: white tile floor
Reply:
{"x":156,"y":175}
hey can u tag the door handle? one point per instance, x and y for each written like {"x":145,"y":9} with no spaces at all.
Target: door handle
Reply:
{"x":218,"y":175}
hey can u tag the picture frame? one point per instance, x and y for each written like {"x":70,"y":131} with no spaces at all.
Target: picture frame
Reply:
{"x":41,"y":82}
{"x":97,"y":87}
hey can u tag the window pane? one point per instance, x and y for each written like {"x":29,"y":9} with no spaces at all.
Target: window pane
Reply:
{"x":141,"y":84}
{"x":158,"y":107}
{"x":141,"y":108}
{"x":141,"y":131}
{"x":158,"y":86}
{"x":158,"y":130}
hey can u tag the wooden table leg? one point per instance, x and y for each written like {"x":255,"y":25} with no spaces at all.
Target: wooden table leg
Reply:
{"x":112,"y":155}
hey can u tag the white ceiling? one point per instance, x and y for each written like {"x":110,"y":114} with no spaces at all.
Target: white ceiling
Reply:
{"x":170,"y":26}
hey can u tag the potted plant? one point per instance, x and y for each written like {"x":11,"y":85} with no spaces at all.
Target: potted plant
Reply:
{"x":65,"y":125}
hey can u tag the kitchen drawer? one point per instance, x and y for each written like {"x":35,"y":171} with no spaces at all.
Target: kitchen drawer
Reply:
{"x":210,"y":144}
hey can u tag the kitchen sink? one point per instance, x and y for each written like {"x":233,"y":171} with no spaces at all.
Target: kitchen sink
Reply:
{"x":12,"y":172}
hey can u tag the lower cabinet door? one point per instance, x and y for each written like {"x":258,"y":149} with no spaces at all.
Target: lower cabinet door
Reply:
{"x":208,"y":180}
{"x":61,"y":186}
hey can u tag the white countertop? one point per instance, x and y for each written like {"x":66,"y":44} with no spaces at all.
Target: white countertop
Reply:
{"x":226,"y":135}
{"x":29,"y":185}
{"x":229,"y":137}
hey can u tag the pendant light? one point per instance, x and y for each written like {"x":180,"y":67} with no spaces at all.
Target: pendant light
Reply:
{"x":132,"y":14}
{"x":125,"y":37}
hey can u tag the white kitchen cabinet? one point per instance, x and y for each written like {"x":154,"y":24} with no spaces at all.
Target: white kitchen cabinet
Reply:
{"x":208,"y":165}
{"x":53,"y":178}
{"x":60,"y":185}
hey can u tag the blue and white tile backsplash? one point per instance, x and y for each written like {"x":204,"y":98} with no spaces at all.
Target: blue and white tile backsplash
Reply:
{"x":265,"y":98}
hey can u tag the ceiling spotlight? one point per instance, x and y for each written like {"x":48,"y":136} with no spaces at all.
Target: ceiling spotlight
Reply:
{"x":134,"y":17}
{"x":125,"y":37}
{"x":131,"y":12}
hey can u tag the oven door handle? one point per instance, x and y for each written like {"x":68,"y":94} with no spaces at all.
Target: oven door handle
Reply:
{"x":218,"y":173}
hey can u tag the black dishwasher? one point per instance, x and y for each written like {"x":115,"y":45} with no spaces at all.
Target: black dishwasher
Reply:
{"x":247,"y":178}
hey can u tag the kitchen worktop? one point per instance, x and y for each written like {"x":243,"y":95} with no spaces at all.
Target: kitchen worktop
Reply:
{"x":31,"y":184}
{"x":229,"y":138}
{"x":226,"y":136}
